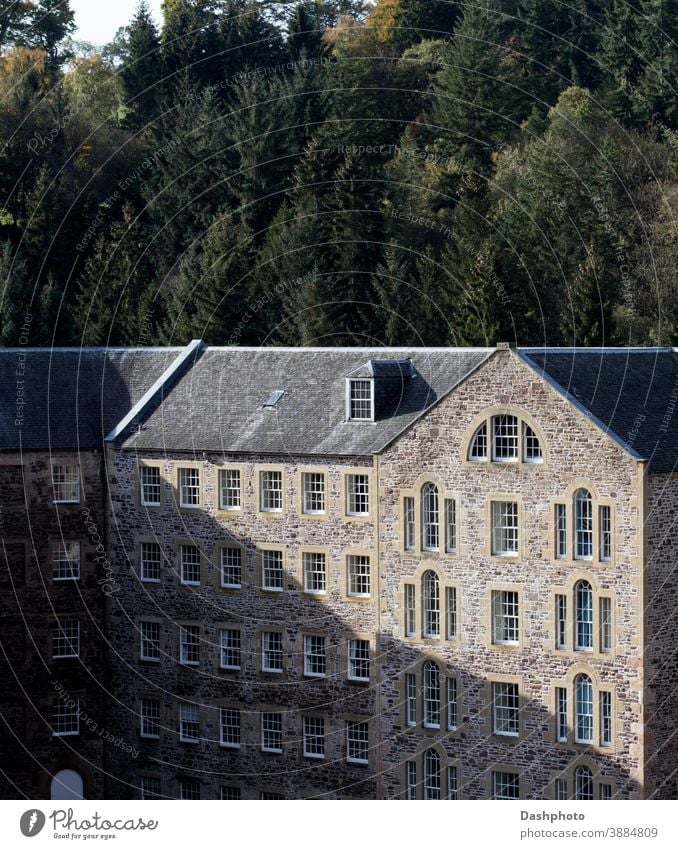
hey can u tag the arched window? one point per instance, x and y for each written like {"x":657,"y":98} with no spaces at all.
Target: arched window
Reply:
{"x":430,"y":518}
{"x":583,"y":689}
{"x":583,"y":605}
{"x":66,"y":784}
{"x":583,"y":525}
{"x":431,"y":596}
{"x":431,"y":774}
{"x":431,"y":693}
{"x":583,"y":783}
{"x":478,"y":450}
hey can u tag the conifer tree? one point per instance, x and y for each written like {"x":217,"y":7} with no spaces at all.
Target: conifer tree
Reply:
{"x":141,"y":71}
{"x":15,"y":294}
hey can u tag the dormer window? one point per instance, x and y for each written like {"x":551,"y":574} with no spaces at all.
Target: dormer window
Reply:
{"x":360,"y":400}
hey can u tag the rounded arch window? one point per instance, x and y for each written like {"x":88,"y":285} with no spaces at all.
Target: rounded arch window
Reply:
{"x":431,"y":604}
{"x":583,"y":783}
{"x":583,"y":525}
{"x":505,"y":438}
{"x":583,"y":605}
{"x":431,"y":774}
{"x":431,"y":692}
{"x":67,"y":784}
{"x":430,"y":517}
{"x":583,"y":693}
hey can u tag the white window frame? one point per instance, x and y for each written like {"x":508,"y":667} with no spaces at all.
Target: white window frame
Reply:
{"x":313,"y":728}
{"x":357,"y":741}
{"x":60,"y":558}
{"x":409,"y":528}
{"x":532,"y":450}
{"x":505,"y":434}
{"x":430,"y":591}
{"x":505,"y":528}
{"x":606,"y":730}
{"x":359,"y":655}
{"x":431,"y":695}
{"x":605,"y":531}
{"x":410,"y":602}
{"x":560,"y":522}
{"x":411,"y":777}
{"x":272,"y":648}
{"x":145,"y":485}
{"x":562,"y":723}
{"x":227,"y":643}
{"x":478,"y":452}
{"x":149,"y":718}
{"x":66,"y":638}
{"x":351,"y":397}
{"x":229,"y":731}
{"x":505,"y":617}
{"x":432,"y":775}
{"x":66,"y":715}
{"x":410,"y":699}
{"x":145,"y":558}
{"x":359,"y":572}
{"x":584,"y":616}
{"x":506,"y":708}
{"x":451,"y":612}
{"x":314,"y":565}
{"x":145,"y":640}
{"x":189,"y":645}
{"x":450,"y":525}
{"x":234,"y":567}
{"x":357,"y":493}
{"x":313,"y":493}
{"x":189,"y":487}
{"x":583,"y":525}
{"x":452,"y":704}
{"x":189,"y":789}
{"x":271,"y":732}
{"x":276,"y":567}
{"x":315,"y":654}
{"x":189,"y":716}
{"x":230,"y":495}
{"x":271,"y":486}
{"x":583,"y":791}
{"x":150,"y":787}
{"x":183,"y":562}
{"x":66,"y":475}
{"x":584,"y":709}
{"x":605,"y":624}
{"x":500,"y":784}
{"x":561,"y":621}
{"x":430,"y":517}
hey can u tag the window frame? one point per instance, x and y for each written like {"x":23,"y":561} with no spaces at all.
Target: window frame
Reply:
{"x":268,"y":717}
{"x":145,"y":640}
{"x":182,"y":548}
{"x":60,"y":638}
{"x":72,"y":479}
{"x":352,"y":496}
{"x":501,"y":530}
{"x":318,"y":586}
{"x":276,"y":505}
{"x":311,"y":476}
{"x":189,"y":643}
{"x":350,"y":399}
{"x":182,"y":486}
{"x":511,"y":622}
{"x":223,"y":631}
{"x":309,"y":655}
{"x":62,"y":547}
{"x":309,"y":736}
{"x":507,"y":701}
{"x":225,"y":741}
{"x":360,"y":744}
{"x":144,"y":559}
{"x":354,"y":579}
{"x":355,"y":662}
{"x":146,"y":721}
{"x":267,"y":652}
{"x":222,"y":475}
{"x":144,"y":468}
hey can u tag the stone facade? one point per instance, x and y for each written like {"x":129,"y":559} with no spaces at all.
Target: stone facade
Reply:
{"x":31,"y":603}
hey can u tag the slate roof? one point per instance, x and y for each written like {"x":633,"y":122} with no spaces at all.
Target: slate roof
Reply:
{"x":633,"y":392}
{"x":219,"y":404}
{"x":72,"y":397}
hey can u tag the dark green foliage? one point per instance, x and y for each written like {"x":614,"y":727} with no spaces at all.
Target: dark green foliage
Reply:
{"x":142,"y":68}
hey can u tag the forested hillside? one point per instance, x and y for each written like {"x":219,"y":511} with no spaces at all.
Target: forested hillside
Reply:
{"x":412,"y":172}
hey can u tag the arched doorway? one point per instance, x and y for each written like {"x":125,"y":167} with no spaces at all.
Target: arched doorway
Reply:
{"x":66,"y":784}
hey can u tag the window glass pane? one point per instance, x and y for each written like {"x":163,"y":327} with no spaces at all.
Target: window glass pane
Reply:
{"x":451,"y":600}
{"x":358,"y":576}
{"x":583,"y":783}
{"x":411,"y":699}
{"x":66,"y":483}
{"x":561,"y":714}
{"x":189,"y":487}
{"x":230,"y":648}
{"x":231,"y":567}
{"x":150,"y":717}
{"x":450,"y":525}
{"x":315,"y":576}
{"x":605,"y":519}
{"x":272,"y":651}
{"x":150,"y":485}
{"x":315,"y":663}
{"x":584,"y":702}
{"x":561,"y":531}
{"x":506,"y":618}
{"x":66,"y":638}
{"x":431,"y":774}
{"x":271,"y":732}
{"x":360,"y":399}
{"x":478,"y":449}
{"x":561,"y":621}
{"x":357,"y":742}
{"x":605,"y":719}
{"x":505,"y":438}
{"x":430,"y":519}
{"x":271,"y":492}
{"x":431,"y":598}
{"x":583,"y":513}
{"x":506,"y":707}
{"x":605,"y":624}
{"x":150,"y":561}
{"x":504,"y":527}
{"x":584,"y":616}
{"x":431,"y":694}
{"x":359,"y":660}
{"x":408,"y":505}
{"x":531,"y":446}
{"x":66,"y":561}
{"x":314,"y":492}
{"x":452,"y":713}
{"x":410,"y":610}
{"x":229,"y":489}
{"x":505,"y":785}
{"x":357,"y":495}
{"x":314,"y":737}
{"x":229,"y":724}
{"x":272,"y":570}
{"x":190,"y":564}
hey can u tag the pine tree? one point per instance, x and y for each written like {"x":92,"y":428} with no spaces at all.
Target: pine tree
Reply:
{"x":212,"y":301}
{"x":190,"y":43}
{"x":620,"y":57}
{"x":305,"y":31}
{"x":141,"y":71}
{"x":656,"y":95}
{"x":475,"y":107}
{"x":15,"y":294}
{"x":51,"y":21}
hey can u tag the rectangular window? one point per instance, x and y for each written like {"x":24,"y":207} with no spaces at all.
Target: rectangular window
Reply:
{"x":605,"y":624}
{"x":605,"y":718}
{"x":314,"y":737}
{"x":150,"y":640}
{"x":408,"y":518}
{"x":189,"y":487}
{"x":358,"y":576}
{"x":411,"y":767}
{"x":315,"y":662}
{"x":149,"y":710}
{"x":359,"y":660}
{"x":410,"y":699}
{"x":357,"y":742}
{"x":66,"y":562}
{"x":271,"y":732}
{"x":314,"y":493}
{"x":150,"y":787}
{"x":504,"y":527}
{"x":272,"y":570}
{"x":505,"y":438}
{"x":505,"y":709}
{"x":605,"y":523}
{"x":452,"y":710}
{"x":229,"y":725}
{"x":268,"y":796}
{"x":357,"y":495}
{"x":231,"y":568}
{"x":229,"y":489}
{"x":410,"y":610}
{"x":230,"y":648}
{"x":450,"y":525}
{"x":561,"y":789}
{"x":150,"y":560}
{"x":189,"y":723}
{"x":605,"y":792}
{"x":189,"y":558}
{"x":66,"y":638}
{"x":149,"y":478}
{"x":451,"y":602}
{"x":452,"y":783}
{"x":360,"y":400}
{"x":271,"y":651}
{"x":505,"y":785}
{"x":66,"y":717}
{"x":561,"y":531}
{"x":561,"y":621}
{"x":189,"y":644}
{"x":505,"y":617}
{"x":315,"y":572}
{"x":271,"y":489}
{"x":66,"y":484}
{"x":189,"y":789}
{"x":561,"y":714}
{"x":230,"y":794}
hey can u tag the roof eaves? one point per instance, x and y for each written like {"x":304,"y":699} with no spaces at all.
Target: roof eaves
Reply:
{"x":575,"y":402}
{"x":194,"y":346}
